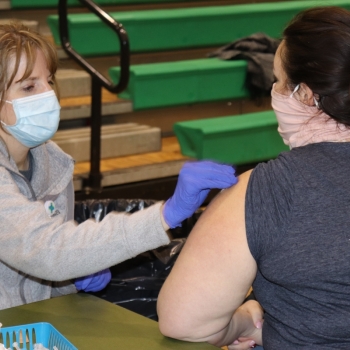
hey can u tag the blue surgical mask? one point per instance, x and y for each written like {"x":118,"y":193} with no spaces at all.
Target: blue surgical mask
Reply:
{"x":37,"y":117}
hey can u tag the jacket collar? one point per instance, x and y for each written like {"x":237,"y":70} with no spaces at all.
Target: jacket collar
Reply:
{"x":52,"y":168}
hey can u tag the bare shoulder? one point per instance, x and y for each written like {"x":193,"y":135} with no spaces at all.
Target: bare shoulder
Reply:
{"x":221,"y":228}
{"x":229,"y":204}
{"x":238,"y":190}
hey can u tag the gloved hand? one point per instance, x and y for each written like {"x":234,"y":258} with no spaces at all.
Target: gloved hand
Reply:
{"x":95,"y":282}
{"x":195,"y":181}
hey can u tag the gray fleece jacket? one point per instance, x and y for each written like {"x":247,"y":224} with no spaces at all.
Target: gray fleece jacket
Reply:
{"x":42,"y":248}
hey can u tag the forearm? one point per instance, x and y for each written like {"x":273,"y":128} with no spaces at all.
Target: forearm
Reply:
{"x":80,"y":250}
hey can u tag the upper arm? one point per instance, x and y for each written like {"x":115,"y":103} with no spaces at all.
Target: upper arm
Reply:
{"x":213,"y":273}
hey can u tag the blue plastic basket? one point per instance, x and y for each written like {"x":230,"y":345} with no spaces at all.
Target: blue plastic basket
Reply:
{"x":30,"y":334}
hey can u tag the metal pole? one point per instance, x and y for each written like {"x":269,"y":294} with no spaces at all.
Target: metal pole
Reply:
{"x":93,"y":183}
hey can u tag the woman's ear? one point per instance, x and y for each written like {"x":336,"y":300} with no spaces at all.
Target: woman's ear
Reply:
{"x":306,"y":95}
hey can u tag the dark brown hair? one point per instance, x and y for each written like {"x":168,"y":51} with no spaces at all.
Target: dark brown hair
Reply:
{"x":317,"y":52}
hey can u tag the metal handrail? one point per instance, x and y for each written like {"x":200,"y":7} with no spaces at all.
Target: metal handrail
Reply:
{"x":93,"y":182}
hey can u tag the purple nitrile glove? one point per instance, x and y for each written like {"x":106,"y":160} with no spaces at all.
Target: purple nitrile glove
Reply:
{"x":95,"y":282}
{"x":195,"y":181}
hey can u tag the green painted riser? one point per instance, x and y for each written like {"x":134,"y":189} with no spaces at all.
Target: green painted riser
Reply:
{"x":183,"y":82}
{"x":241,"y":139}
{"x":157,"y":30}
{"x":17,"y":4}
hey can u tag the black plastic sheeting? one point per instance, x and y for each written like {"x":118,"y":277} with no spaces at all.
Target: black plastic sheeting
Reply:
{"x":136,"y":283}
{"x":98,"y":209}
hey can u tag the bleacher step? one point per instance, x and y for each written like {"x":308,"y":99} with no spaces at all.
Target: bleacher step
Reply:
{"x":33,"y":25}
{"x":5,"y":4}
{"x":75,"y":3}
{"x":73,"y":82}
{"x":80,"y":107}
{"x":157,"y":85}
{"x":116,"y":141}
{"x":39,"y":10}
{"x":242,"y":139}
{"x":187,"y":27}
{"x":75,"y":89}
{"x":134,"y":168}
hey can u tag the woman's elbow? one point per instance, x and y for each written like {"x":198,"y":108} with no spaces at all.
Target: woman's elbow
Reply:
{"x":166,"y":328}
{"x":169,"y":327}
{"x":172,"y":325}
{"x":181,"y":328}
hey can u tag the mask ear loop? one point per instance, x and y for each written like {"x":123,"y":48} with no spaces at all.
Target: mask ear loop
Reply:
{"x":297,"y":88}
{"x":294,"y":91}
{"x":7,"y":101}
{"x":3,"y":123}
{"x":316,"y":103}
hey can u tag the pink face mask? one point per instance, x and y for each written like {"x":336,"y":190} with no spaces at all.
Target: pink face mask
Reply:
{"x":300,"y":124}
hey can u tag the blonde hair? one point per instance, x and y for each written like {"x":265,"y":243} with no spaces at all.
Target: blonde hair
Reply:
{"x":17,"y":41}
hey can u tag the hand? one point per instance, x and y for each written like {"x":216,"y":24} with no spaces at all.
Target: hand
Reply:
{"x":95,"y":282}
{"x":251,"y":337}
{"x":195,"y":181}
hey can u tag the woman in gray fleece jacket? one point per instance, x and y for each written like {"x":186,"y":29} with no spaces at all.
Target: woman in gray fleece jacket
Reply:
{"x":43,"y":252}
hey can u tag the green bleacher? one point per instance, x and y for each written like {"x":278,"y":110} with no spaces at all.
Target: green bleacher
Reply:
{"x":242,"y":139}
{"x":182,"y":82}
{"x":18,"y":4}
{"x":172,"y":29}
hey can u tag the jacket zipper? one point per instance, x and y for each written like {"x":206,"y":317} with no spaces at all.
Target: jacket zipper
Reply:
{"x":34,"y":198}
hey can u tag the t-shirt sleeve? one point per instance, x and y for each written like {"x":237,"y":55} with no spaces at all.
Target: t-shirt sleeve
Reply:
{"x":267,"y":205}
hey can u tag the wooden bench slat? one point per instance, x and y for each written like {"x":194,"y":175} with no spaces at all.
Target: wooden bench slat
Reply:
{"x":80,"y":107}
{"x":139,"y":167}
{"x":115,"y":141}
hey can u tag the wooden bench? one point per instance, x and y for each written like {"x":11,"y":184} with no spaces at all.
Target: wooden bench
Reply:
{"x":135,"y":168}
{"x":116,"y":140}
{"x":242,"y":139}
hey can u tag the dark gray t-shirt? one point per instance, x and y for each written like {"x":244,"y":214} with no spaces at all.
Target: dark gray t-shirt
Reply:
{"x":298,"y":230}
